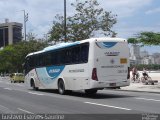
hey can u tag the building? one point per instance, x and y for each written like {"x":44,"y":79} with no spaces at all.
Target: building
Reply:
{"x":10,"y":33}
{"x":144,"y":54}
{"x":148,"y":60}
{"x":142,"y":57}
{"x":135,"y":54}
{"x":157,"y":58}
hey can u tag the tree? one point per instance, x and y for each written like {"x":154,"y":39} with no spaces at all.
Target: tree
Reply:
{"x":133,"y":41}
{"x":149,"y":38}
{"x":13,"y":56}
{"x":6,"y":59}
{"x":146,"y":38}
{"x":57,"y":31}
{"x":88,"y":19}
{"x":31,"y":36}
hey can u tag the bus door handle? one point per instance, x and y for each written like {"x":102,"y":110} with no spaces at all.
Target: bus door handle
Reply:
{"x":74,"y":79}
{"x":86,"y":79}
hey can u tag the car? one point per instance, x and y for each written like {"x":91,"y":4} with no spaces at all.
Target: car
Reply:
{"x":17,"y":77}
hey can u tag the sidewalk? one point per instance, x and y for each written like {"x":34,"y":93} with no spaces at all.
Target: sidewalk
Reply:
{"x":140,"y":87}
{"x":143,"y":88}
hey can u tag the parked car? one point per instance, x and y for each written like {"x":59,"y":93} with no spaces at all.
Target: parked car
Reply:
{"x":17,"y":77}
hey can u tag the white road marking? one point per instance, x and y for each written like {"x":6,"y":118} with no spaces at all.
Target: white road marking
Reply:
{"x":25,"y":111}
{"x":107,"y":106}
{"x":148,"y":99}
{"x":7,"y":88}
{"x":34,"y":93}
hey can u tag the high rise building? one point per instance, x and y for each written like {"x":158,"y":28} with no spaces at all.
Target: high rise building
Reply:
{"x":10,"y":33}
{"x":135,"y":54}
{"x":144,"y":54}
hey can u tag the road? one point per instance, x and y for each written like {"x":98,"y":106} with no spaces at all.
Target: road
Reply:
{"x":16,"y":98}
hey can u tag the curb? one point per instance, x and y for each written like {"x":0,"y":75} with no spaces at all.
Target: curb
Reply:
{"x":139,"y":91}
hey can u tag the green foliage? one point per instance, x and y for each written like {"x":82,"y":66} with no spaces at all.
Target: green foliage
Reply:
{"x":149,"y":38}
{"x":133,"y":41}
{"x":88,"y":19}
{"x":6,"y":57}
{"x":146,"y":38}
{"x":31,"y":36}
{"x":12,"y":57}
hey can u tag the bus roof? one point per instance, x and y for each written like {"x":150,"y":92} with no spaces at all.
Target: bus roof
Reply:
{"x":64,"y":45}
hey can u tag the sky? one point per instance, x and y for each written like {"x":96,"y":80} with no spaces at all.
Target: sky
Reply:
{"x":133,"y":16}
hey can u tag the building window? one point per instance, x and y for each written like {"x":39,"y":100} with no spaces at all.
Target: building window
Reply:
{"x":17,"y":35}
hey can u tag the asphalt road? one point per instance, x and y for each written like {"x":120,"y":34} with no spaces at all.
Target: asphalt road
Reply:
{"x":16,"y":98}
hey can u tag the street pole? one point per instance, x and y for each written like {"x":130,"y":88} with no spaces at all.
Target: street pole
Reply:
{"x":65,"y":36}
{"x":25,"y":20}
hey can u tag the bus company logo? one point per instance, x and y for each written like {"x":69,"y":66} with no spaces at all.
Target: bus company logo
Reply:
{"x":112,"y":61}
{"x":54,"y":71}
{"x":112,"y":53}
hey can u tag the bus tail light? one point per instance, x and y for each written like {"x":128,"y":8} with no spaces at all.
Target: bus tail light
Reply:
{"x":94,"y":74}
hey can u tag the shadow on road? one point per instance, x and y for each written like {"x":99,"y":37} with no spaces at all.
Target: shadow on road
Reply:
{"x":93,"y":96}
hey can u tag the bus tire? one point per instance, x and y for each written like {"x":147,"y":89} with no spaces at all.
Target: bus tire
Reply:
{"x":33,"y":85}
{"x":61,"y":87}
{"x":91,"y":91}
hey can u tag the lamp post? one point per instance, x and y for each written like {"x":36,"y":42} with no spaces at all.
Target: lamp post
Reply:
{"x":25,"y":20}
{"x":65,"y":36}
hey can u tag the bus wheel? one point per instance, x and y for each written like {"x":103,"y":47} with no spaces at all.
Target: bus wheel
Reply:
{"x":91,"y":91}
{"x":33,"y":85}
{"x":61,"y":87}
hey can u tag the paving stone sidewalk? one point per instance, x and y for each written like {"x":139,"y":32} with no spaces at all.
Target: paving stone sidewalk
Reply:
{"x":143,"y":88}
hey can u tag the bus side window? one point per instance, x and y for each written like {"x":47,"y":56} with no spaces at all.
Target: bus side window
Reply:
{"x":59,"y":57}
{"x":41,"y":60}
{"x":68,"y":56}
{"x":76,"y":54}
{"x":47,"y":58}
{"x":26,"y":65}
{"x":54,"y":58}
{"x":31,"y":62}
{"x":84,"y":53}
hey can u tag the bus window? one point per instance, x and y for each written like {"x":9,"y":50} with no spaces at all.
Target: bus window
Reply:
{"x":68,"y":56}
{"x":76,"y":55}
{"x":54,"y":58}
{"x":84,"y":53}
{"x":47,"y":58}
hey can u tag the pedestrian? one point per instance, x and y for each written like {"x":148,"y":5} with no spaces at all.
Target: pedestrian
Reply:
{"x":134,"y":72}
{"x":145,"y":73}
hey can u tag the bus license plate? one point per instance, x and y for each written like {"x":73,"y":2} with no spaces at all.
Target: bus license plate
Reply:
{"x":113,"y":84}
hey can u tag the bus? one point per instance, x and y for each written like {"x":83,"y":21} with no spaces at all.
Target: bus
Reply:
{"x":89,"y":65}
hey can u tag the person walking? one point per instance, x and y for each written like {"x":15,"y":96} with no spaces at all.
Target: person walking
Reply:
{"x":134,"y":73}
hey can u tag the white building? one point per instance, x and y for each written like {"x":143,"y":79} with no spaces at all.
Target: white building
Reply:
{"x":156,"y":57}
{"x":148,"y":60}
{"x":135,"y":54}
{"x":144,"y":54}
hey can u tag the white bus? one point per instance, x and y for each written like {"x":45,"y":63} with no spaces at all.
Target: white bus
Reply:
{"x":89,"y":65}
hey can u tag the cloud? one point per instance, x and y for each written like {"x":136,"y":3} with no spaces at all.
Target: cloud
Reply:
{"x":156,"y":10}
{"x":124,"y":8}
{"x":131,"y":31}
{"x":42,"y":12}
